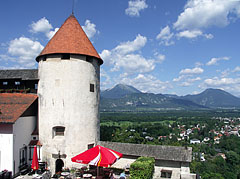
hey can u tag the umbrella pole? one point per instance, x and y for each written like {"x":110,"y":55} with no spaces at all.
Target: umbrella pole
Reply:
{"x":97,"y":171}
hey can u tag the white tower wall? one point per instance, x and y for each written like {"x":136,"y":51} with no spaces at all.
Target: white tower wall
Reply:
{"x":65,"y":100}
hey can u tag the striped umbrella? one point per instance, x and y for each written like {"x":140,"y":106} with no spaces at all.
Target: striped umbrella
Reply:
{"x":98,"y":156}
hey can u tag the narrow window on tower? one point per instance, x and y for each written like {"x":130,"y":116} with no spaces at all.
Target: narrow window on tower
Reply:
{"x":65,"y":56}
{"x":91,"y":87}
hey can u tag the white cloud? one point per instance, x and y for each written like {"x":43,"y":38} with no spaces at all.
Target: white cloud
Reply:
{"x":51,"y":33}
{"x":165,"y":36}
{"x":25,"y":50}
{"x":179,"y":78}
{"x":185,"y":84}
{"x":191,"y":80}
{"x":131,"y":46}
{"x":135,"y":6}
{"x":106,"y":55}
{"x":133,"y":63}
{"x":214,"y":61}
{"x":193,"y":34}
{"x":198,"y":64}
{"x":218,"y":82}
{"x":159,"y":57}
{"x":189,"y":34}
{"x":126,"y":57}
{"x":90,"y":28}
{"x":200,"y":14}
{"x":41,"y":25}
{"x":196,"y":70}
{"x":147,"y":83}
{"x":237,"y":69}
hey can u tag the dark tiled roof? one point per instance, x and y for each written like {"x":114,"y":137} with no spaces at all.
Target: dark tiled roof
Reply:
{"x":70,"y":38}
{"x":35,"y":142}
{"x":27,"y":74}
{"x":170,"y":153}
{"x":13,"y":105}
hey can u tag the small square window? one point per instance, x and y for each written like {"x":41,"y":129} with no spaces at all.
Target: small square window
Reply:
{"x":5,"y":83}
{"x":66,"y":56}
{"x":17,"y":82}
{"x":34,"y":138}
{"x":91,"y":87}
{"x":58,"y":131}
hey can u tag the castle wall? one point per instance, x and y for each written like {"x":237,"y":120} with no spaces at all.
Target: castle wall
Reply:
{"x":65,"y":100}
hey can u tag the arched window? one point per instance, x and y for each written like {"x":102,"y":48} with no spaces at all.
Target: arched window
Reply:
{"x":58,"y":131}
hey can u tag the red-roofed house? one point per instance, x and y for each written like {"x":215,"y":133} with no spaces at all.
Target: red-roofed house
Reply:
{"x":18,"y":119}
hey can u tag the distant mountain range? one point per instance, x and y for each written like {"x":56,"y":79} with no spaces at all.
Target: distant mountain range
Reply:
{"x":127,"y":98}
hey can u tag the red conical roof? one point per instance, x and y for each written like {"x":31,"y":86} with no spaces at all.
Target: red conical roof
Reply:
{"x":70,"y":38}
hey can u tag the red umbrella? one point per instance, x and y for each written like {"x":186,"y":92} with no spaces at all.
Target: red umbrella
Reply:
{"x":35,"y":159}
{"x":98,"y":156}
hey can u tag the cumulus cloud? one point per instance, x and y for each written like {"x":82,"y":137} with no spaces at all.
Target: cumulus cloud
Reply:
{"x":200,"y":14}
{"x":90,"y":28}
{"x":135,"y":6}
{"x":125,"y":56}
{"x":186,"y":80}
{"x":236,"y":69}
{"x":218,"y":82}
{"x":147,"y":83}
{"x":193,"y":34}
{"x":196,"y":70}
{"x":165,"y":36}
{"x":132,"y":63}
{"x":159,"y":57}
{"x":25,"y":50}
{"x":51,"y":33}
{"x":131,"y":46}
{"x":231,"y":85}
{"x":214,"y":61}
{"x":41,"y":25}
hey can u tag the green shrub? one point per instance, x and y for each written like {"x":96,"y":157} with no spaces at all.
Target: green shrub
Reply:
{"x":143,"y":167}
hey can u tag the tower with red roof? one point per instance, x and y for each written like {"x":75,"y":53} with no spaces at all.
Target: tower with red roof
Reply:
{"x":68,"y":90}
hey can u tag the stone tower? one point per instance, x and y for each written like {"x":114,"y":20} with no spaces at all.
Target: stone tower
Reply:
{"x":68,"y":90}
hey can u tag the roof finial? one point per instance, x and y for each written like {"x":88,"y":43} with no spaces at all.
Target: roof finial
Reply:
{"x":73,"y":7}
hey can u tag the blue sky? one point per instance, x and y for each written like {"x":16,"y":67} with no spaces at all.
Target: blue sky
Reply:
{"x":160,"y":46}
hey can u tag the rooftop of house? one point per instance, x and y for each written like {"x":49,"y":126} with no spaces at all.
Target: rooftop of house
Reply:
{"x":70,"y":38}
{"x":23,"y":74}
{"x":169,"y":153}
{"x":13,"y":105}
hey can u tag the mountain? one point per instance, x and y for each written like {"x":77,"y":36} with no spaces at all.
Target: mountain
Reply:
{"x":146,"y":101}
{"x":119,"y":91}
{"x":125,"y":97}
{"x":214,"y":98}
